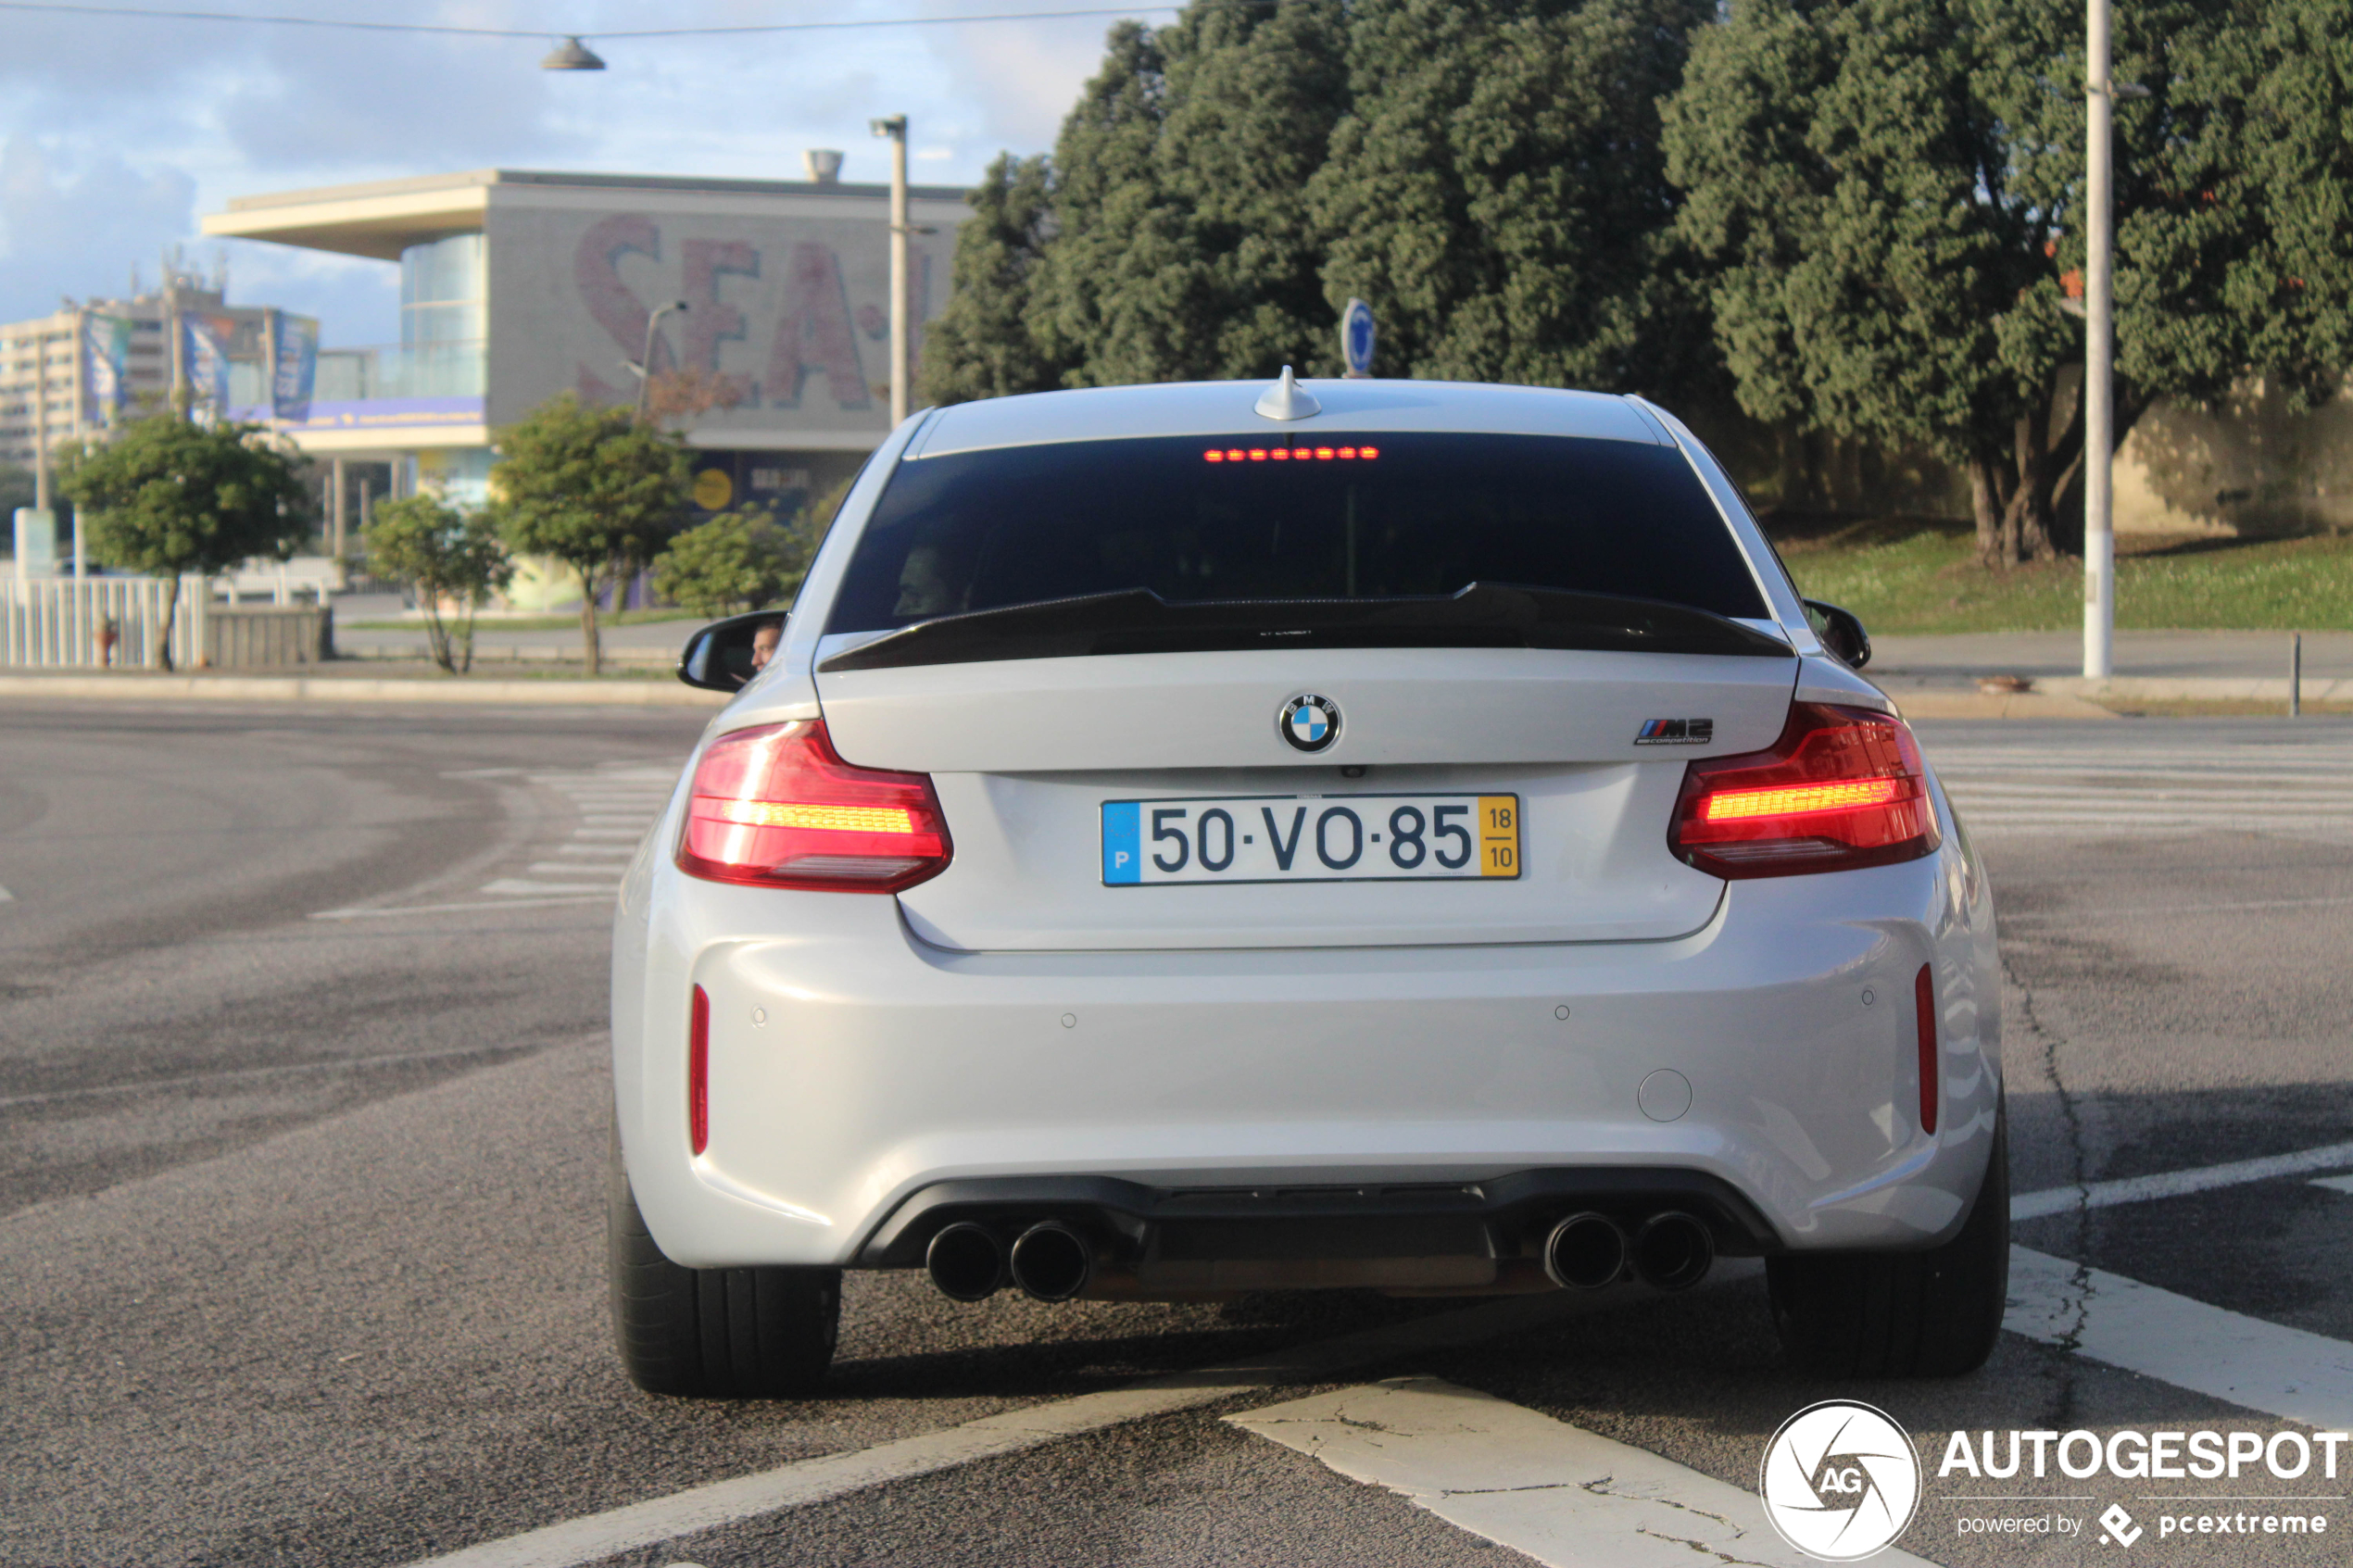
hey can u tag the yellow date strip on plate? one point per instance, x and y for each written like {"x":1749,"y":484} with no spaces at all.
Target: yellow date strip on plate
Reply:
{"x":1498,"y":835}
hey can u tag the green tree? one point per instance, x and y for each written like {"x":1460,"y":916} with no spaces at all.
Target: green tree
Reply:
{"x":1892,"y":189}
{"x":738,"y":562}
{"x":592,"y":489}
{"x":453,"y":560}
{"x":983,"y":344}
{"x":1167,"y":239}
{"x":1486,"y":171}
{"x":1497,"y":191}
{"x":168,"y":496}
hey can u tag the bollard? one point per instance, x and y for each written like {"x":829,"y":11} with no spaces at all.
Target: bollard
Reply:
{"x":2296,"y":676}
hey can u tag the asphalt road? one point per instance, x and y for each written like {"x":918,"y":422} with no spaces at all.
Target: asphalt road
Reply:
{"x":302,"y":1124}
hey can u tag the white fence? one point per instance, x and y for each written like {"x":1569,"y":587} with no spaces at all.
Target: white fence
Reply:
{"x":54,"y":622}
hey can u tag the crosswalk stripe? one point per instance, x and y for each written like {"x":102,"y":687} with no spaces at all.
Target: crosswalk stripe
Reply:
{"x":2099,"y":786}
{"x":1563,"y":1495}
{"x":2263,"y":1366}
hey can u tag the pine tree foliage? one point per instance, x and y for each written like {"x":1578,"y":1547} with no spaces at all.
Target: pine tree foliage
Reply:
{"x":1486,"y":169}
{"x":1499,"y":188}
{"x":981,"y":346}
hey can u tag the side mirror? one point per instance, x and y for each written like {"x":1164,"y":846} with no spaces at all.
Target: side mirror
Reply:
{"x":1839,"y":632}
{"x":726,"y":655}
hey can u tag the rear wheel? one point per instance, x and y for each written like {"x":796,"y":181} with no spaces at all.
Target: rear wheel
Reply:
{"x":718,"y":1334}
{"x":1904,"y":1314}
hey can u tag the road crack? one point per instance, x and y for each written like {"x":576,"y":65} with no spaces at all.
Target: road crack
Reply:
{"x":2060,"y":1370}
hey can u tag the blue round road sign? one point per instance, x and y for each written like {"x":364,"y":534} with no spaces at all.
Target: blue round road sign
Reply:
{"x":1357,"y":337}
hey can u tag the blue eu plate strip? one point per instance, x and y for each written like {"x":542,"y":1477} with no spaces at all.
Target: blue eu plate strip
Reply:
{"x":1122,"y":842}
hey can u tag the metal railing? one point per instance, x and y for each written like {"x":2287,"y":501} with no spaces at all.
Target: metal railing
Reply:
{"x":458,"y":368}
{"x":55,"y":623}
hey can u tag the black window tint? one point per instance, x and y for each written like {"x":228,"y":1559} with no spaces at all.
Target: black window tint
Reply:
{"x":1425,"y":515}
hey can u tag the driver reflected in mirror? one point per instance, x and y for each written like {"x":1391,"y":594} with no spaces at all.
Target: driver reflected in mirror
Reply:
{"x":727,"y":655}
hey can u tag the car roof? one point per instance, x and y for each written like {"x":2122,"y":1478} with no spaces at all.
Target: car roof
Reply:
{"x":1227,"y":410}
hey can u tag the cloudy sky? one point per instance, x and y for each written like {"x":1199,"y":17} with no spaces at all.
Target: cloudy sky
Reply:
{"x":115,"y":132}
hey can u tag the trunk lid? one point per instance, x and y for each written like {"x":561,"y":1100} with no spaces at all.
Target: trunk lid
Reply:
{"x":1026,"y":752}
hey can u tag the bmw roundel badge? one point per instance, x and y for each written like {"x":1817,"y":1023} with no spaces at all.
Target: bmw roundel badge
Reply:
{"x":1309,"y":723}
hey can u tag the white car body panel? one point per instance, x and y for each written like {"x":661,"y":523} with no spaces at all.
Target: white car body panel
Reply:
{"x":1014,"y":1017}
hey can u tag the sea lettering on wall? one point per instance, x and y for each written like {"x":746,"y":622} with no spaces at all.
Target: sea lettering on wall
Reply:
{"x":811,"y":342}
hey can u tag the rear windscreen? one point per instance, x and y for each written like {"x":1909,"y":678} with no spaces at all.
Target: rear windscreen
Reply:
{"x":1376,"y":517}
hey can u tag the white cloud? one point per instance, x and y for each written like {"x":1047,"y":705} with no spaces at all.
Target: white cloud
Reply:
{"x":115,"y":132}
{"x":77,"y":225}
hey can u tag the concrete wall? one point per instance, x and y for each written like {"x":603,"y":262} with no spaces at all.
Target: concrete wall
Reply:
{"x":2249,"y":466}
{"x":792,"y":306}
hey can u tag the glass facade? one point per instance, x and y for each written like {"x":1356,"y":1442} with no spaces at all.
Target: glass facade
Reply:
{"x":445,"y":291}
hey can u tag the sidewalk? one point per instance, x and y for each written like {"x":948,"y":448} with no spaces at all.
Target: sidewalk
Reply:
{"x":1939,"y":677}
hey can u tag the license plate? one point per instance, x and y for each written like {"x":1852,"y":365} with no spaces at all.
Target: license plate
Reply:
{"x":1311,"y":838}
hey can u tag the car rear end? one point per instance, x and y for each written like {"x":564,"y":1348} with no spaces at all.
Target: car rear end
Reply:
{"x":1417,"y":845}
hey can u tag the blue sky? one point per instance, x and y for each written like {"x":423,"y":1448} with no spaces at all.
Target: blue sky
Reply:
{"x":116,"y":133}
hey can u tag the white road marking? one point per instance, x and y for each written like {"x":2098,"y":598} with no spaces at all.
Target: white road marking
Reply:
{"x":2177,"y":1184}
{"x":622,"y":851}
{"x":2118,"y":788}
{"x":2126,"y":912}
{"x":522,"y":888}
{"x":7,"y":897}
{"x":574,"y":871}
{"x":815,"y":1480}
{"x":1557,"y":1493}
{"x":2264,"y":1366}
{"x":280,"y":1070}
{"x":2335,"y":1183}
{"x":597,"y":895}
{"x":632,"y":835}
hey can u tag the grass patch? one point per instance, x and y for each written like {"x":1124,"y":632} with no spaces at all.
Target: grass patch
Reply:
{"x":1920,"y":575}
{"x":537,"y":622}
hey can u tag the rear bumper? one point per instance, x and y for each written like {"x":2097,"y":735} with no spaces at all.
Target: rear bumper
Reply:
{"x":854,"y":1070}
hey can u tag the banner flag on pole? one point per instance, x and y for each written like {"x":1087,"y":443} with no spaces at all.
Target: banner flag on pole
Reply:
{"x":205,"y":344}
{"x":296,"y":372}
{"x":105,"y":347}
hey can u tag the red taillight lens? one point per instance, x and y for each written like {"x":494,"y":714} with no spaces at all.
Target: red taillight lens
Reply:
{"x":1844,"y":787}
{"x":778,"y":808}
{"x":1924,"y":1005}
{"x":698,"y":1071}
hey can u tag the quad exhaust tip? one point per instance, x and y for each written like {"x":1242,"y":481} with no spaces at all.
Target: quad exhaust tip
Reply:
{"x":1673,"y":1251}
{"x":1585,"y":1252}
{"x":1051,"y":1262}
{"x":965,"y":1262}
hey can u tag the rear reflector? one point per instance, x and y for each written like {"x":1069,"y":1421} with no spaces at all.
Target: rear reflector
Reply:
{"x":1924,"y":1002}
{"x":1842,"y":788}
{"x":699,"y":1071}
{"x":776,"y":807}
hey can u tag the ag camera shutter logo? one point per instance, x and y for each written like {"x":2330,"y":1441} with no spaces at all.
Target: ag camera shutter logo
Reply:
{"x":1839,"y":1480}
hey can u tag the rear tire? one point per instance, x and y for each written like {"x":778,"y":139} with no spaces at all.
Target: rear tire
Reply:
{"x":713,"y":1334}
{"x":1903,"y":1314}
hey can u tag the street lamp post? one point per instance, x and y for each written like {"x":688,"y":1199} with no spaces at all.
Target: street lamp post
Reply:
{"x":2099,"y":357}
{"x":644,"y":367}
{"x":893,"y":127}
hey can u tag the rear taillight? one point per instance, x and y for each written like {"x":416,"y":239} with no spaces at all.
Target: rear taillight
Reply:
{"x":1844,"y":787}
{"x":777,"y":806}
